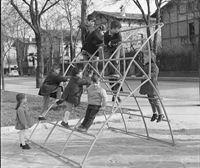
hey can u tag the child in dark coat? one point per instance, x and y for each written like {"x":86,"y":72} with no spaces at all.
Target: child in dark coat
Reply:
{"x":92,"y":43}
{"x":23,"y":119}
{"x":97,"y":98}
{"x":112,"y":39}
{"x":51,"y":88}
{"x":72,"y":93}
{"x":148,"y":89}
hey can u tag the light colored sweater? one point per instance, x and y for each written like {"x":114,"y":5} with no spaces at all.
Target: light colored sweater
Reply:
{"x":97,"y":95}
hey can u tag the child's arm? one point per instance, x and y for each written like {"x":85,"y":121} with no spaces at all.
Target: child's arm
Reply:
{"x":104,"y":98}
{"x":22,"y":117}
{"x":60,"y":78}
{"x":115,"y":42}
{"x":82,"y":82}
{"x":154,"y":71}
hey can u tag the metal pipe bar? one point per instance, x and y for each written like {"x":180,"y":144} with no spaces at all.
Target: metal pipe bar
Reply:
{"x":72,"y":129}
{"x":143,"y":119}
{"x":61,"y":156}
{"x":141,"y":27}
{"x":34,"y":130}
{"x":139,"y":115}
{"x":142,"y":136}
{"x":50,"y":133}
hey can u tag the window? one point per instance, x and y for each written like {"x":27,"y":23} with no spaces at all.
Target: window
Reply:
{"x":190,"y":6}
{"x":182,"y":8}
{"x":191,"y":32}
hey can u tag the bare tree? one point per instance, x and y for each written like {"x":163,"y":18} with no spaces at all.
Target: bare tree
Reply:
{"x":70,"y":8}
{"x":83,"y":18}
{"x":34,"y":21}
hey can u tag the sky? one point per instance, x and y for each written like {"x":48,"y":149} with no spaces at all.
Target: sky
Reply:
{"x":130,"y":7}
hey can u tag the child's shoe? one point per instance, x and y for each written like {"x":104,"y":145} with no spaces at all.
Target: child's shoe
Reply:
{"x":154,"y":117}
{"x":81,"y":129}
{"x":59,"y":101}
{"x":113,"y":98}
{"x":119,"y":99}
{"x":26,"y":146}
{"x":64,"y":124}
{"x":160,"y":117}
{"x":40,"y":118}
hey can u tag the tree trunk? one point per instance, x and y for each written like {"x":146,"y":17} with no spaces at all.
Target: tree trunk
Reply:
{"x":148,"y":35}
{"x":155,"y":46}
{"x":2,"y":67}
{"x":198,"y":55}
{"x":83,"y":18}
{"x":40,"y":61}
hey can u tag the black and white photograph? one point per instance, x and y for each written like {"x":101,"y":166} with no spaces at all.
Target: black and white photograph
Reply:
{"x":100,"y":83}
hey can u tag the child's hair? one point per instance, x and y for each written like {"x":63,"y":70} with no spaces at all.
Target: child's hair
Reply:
{"x":115,"y":24}
{"x":75,"y":71}
{"x":90,"y":17}
{"x":95,"y":78}
{"x":102,"y":27}
{"x":55,"y":66}
{"x":19,"y":98}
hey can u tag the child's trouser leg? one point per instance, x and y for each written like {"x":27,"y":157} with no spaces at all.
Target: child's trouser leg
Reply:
{"x":152,"y":103}
{"x":91,"y":112}
{"x":155,"y":104}
{"x":46,"y":100}
{"x":58,"y":93}
{"x":22,"y":137}
{"x":115,"y":87}
{"x":68,"y":111}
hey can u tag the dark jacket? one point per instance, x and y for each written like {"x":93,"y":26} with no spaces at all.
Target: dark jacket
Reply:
{"x":87,"y":29}
{"x":92,"y":42}
{"x":115,"y":39}
{"x":147,"y":88}
{"x":73,"y":91}
{"x":23,"y":118}
{"x":51,"y":84}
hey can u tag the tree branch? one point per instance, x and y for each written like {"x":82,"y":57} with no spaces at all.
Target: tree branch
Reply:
{"x":26,"y":2}
{"x":21,"y":15}
{"x":45,"y":4}
{"x":44,"y":10}
{"x":137,"y":3}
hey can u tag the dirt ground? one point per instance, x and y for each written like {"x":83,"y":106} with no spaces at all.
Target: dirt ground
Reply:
{"x":114,"y":149}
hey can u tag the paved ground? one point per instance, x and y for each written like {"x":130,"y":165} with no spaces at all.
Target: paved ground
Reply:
{"x":116,"y":150}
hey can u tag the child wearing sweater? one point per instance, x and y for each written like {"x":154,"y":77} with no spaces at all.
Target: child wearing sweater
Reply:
{"x":97,"y":99}
{"x":23,"y":119}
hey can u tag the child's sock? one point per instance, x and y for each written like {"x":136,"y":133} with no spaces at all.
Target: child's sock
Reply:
{"x":66,"y":117}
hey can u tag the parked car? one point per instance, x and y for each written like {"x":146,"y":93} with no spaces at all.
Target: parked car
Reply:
{"x":14,"y":73}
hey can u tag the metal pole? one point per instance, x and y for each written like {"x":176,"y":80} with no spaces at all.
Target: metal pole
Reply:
{"x":62,"y":54}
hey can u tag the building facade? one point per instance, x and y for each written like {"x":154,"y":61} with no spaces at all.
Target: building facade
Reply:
{"x":180,"y":34}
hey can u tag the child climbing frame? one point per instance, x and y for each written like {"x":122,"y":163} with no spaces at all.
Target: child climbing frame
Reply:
{"x":120,"y":78}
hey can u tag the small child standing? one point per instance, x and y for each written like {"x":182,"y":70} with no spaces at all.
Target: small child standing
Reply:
{"x":72,"y":93}
{"x":51,"y":88}
{"x":148,"y":89}
{"x":97,"y":99}
{"x":23,"y":119}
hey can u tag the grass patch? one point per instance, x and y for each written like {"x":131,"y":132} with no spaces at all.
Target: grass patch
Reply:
{"x":8,"y":112}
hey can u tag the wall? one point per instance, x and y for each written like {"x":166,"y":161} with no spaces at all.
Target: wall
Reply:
{"x":176,"y":35}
